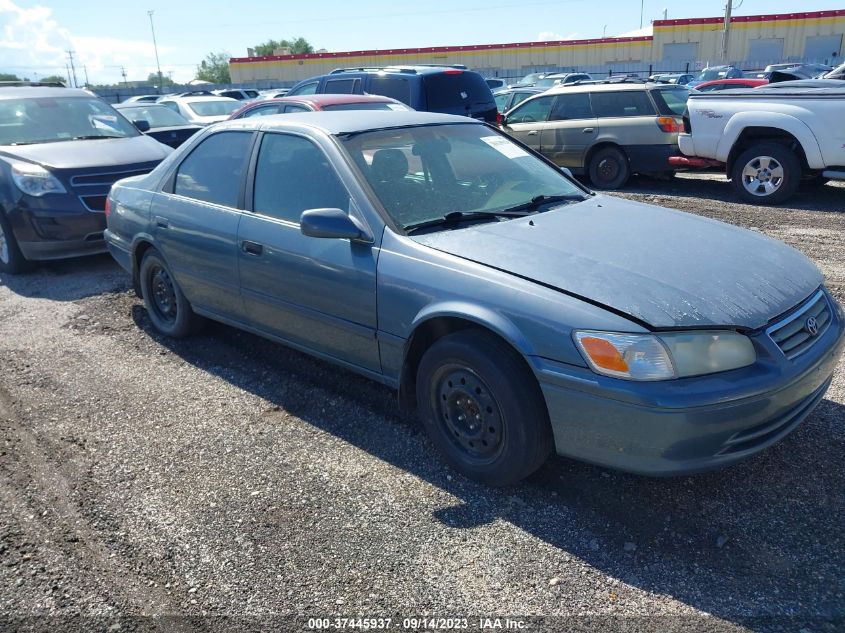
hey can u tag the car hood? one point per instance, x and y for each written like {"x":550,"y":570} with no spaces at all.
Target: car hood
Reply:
{"x":91,"y":153}
{"x":665,"y":268}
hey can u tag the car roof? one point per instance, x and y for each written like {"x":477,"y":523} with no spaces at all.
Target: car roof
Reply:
{"x":198,"y":98}
{"x":34,"y":92}
{"x":737,"y":80}
{"x":346,"y":121}
{"x":613,"y":86}
{"x":138,"y":104}
{"x":330,"y":99}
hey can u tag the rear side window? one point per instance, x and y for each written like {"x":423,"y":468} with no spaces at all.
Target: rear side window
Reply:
{"x":262,"y":111}
{"x":456,"y":89}
{"x":671,"y":101}
{"x":622,"y":104}
{"x":292,"y":176}
{"x":394,"y":87}
{"x":575,"y":105}
{"x":341,"y":86}
{"x":214,"y":170}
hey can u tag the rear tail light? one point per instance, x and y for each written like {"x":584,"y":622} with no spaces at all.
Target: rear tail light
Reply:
{"x":108,"y":206}
{"x":669,"y":124}
{"x":499,"y":119}
{"x":453,"y":71}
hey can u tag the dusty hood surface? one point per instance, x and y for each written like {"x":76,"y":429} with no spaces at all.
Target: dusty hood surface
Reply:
{"x":90,"y":153}
{"x":666,"y":268}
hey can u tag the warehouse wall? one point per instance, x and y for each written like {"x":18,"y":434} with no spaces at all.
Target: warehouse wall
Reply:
{"x":673,"y":44}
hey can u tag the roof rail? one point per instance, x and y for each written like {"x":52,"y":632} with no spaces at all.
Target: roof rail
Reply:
{"x":338,"y":71}
{"x":34,"y":84}
{"x":459,"y":66}
{"x":610,"y":80}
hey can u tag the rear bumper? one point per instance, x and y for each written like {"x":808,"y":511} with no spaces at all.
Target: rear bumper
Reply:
{"x":650,"y":158}
{"x":675,"y":429}
{"x":119,"y":249}
{"x":693,"y":162}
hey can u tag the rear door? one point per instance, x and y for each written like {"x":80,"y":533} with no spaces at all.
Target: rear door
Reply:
{"x":627,"y":117}
{"x":527,"y":121}
{"x":195,"y":221}
{"x":316,"y":293}
{"x":571,"y":130}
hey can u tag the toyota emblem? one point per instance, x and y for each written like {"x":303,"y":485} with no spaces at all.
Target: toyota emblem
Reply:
{"x":812,"y":326}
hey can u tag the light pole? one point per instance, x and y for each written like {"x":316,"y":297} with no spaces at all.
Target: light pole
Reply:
{"x":155,"y":48}
{"x":642,"y":2}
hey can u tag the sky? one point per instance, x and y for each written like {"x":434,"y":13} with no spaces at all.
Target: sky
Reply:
{"x":107,"y":36}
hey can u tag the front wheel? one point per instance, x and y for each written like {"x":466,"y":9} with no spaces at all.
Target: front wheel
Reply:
{"x":609,"y":168}
{"x":767,"y":173}
{"x":12,"y":260}
{"x":482,"y":408}
{"x":167,"y":307}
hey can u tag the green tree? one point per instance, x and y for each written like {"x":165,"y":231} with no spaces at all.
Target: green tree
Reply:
{"x":54,"y":79}
{"x":152,"y":78}
{"x":297,"y":46}
{"x":9,"y":77}
{"x":215,"y":68}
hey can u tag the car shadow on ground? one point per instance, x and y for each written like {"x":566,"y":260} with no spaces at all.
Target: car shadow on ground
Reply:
{"x":717,"y":188}
{"x":757,"y":540}
{"x":78,"y":278}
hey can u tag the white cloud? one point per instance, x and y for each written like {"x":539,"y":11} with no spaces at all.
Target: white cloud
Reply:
{"x":551,"y":36}
{"x":645,"y":31}
{"x":33,"y":44}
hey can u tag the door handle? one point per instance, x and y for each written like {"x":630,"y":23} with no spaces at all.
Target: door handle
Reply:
{"x":253,"y":248}
{"x":532,"y":133}
{"x":588,"y":130}
{"x":162,"y":223}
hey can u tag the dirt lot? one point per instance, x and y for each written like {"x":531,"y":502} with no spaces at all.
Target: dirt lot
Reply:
{"x":228,"y":476}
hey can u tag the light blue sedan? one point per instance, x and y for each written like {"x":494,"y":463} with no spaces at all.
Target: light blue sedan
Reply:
{"x":515,"y":310}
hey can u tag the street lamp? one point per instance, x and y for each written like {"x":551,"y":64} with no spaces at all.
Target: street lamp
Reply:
{"x":155,"y":48}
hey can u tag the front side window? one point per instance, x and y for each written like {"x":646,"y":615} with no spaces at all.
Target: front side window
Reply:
{"x":293,"y":175}
{"x":295,"y":108}
{"x":262,"y":111}
{"x":305,"y":89}
{"x":213,"y":171}
{"x":626,"y":103}
{"x":423,"y":173}
{"x":532,"y":111}
{"x":52,"y":119}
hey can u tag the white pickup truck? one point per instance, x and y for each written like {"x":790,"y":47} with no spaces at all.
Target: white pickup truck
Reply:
{"x":768,"y":139}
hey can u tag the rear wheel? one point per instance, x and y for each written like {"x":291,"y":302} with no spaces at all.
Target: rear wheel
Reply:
{"x":767,"y":173}
{"x":609,"y":168}
{"x":482,"y":408}
{"x":12,"y":260}
{"x":167,"y":307}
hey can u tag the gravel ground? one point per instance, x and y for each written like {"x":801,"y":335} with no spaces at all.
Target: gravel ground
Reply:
{"x":225,"y":480}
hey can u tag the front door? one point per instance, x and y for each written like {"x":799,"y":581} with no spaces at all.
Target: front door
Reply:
{"x":527,"y":121}
{"x":317,"y":293}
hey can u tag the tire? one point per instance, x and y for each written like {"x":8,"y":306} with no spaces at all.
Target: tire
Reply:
{"x":12,"y":260}
{"x":767,"y":173}
{"x":609,"y":168}
{"x":476,"y":375}
{"x":166,"y":305}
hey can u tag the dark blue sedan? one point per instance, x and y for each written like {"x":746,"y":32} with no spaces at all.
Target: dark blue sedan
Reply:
{"x":516,"y":311}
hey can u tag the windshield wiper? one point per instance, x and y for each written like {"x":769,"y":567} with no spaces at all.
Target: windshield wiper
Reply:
{"x":538,"y":201}
{"x":92,"y":137}
{"x":456,"y":217}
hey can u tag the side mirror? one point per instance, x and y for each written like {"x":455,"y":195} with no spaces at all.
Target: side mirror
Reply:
{"x":142,"y":125}
{"x":332,"y":223}
{"x":566,"y":172}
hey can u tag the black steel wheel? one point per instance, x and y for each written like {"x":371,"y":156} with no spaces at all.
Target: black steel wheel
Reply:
{"x":482,"y":408}
{"x":608,"y":168}
{"x":168,"y":309}
{"x":12,"y":260}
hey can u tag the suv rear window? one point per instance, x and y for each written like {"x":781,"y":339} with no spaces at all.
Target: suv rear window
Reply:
{"x":622,"y":104}
{"x":450,"y":90}
{"x":671,"y":101}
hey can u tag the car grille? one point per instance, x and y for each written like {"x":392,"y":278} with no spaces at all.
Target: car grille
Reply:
{"x":92,"y":188}
{"x":93,"y":180}
{"x":799,"y":331}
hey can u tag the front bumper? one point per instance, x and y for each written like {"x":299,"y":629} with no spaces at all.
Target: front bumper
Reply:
{"x":54,"y":234}
{"x":688,"y":425}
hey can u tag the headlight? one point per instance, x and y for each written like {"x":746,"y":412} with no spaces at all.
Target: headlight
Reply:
{"x":664,"y":356}
{"x":34,"y":180}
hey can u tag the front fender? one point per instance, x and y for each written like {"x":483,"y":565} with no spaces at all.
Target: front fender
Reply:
{"x":793,"y":125}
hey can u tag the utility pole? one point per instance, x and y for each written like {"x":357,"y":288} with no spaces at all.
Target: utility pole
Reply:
{"x":642,"y":2}
{"x":726,"y":35}
{"x":67,"y":68}
{"x":73,"y":68}
{"x":85,"y":68}
{"x":123,"y":72}
{"x":155,"y":47}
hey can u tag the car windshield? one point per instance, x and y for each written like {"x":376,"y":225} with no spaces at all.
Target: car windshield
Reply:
{"x":214,"y":107}
{"x":671,"y":100}
{"x":709,"y":74}
{"x":422,"y":174}
{"x":52,"y":119}
{"x":156,"y":116}
{"x":547,"y":82}
{"x":366,"y":106}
